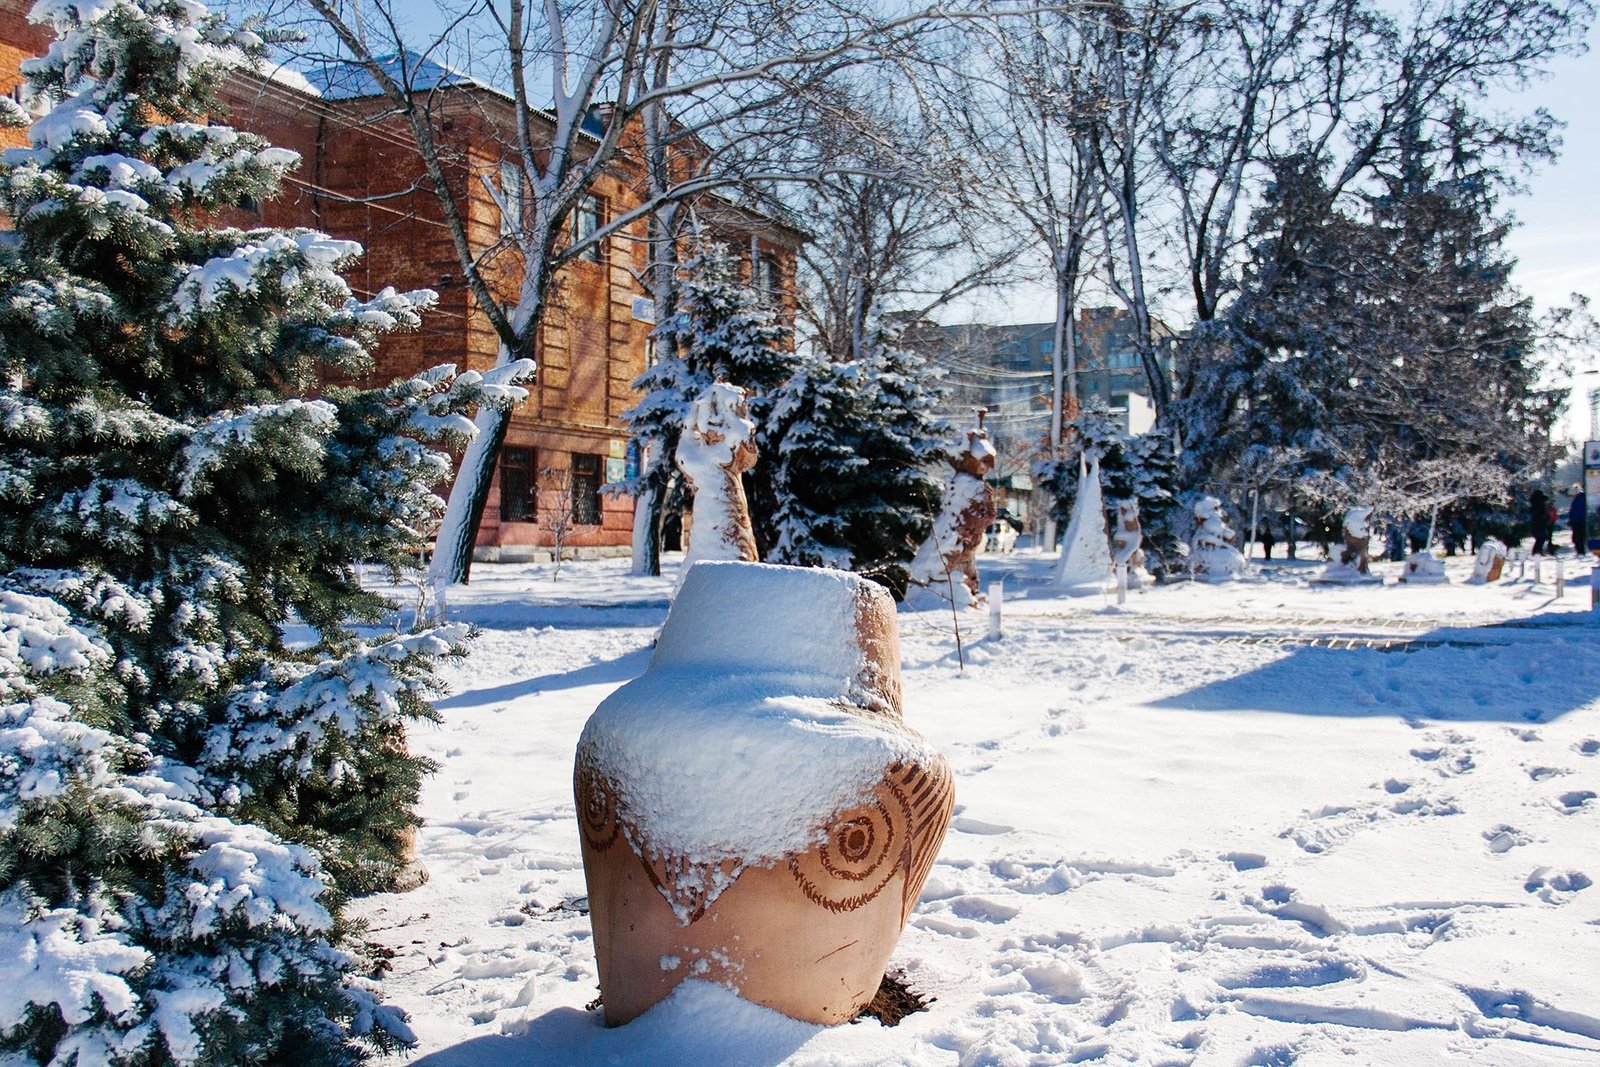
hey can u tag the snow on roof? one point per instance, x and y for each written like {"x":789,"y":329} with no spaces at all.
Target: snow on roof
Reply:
{"x":291,"y":78}
{"x":349,"y":80}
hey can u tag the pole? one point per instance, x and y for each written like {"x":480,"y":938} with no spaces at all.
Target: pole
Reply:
{"x":1255,"y":504}
{"x":997,"y":596}
{"x":1561,"y":579}
{"x":955,"y":617}
{"x":1122,"y":583}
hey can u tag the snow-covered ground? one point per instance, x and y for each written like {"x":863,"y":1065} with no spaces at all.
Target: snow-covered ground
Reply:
{"x":1266,"y":823}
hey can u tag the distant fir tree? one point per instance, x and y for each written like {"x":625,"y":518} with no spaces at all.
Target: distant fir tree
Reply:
{"x":1370,"y":342}
{"x":188,"y":793}
{"x":720,"y":331}
{"x":851,"y":446}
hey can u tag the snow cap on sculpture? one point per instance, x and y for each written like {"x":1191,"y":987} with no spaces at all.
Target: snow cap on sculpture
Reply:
{"x":946,"y":564}
{"x":753,"y":809}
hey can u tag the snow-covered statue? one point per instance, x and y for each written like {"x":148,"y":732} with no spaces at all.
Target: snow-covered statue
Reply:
{"x":1212,"y":557}
{"x":1424,"y":568}
{"x":1127,"y":539}
{"x":718,"y":446}
{"x":1357,"y":551}
{"x":753,"y":810}
{"x":1491,"y":560}
{"x":1085,"y":562}
{"x":1351,"y":566}
{"x":965,"y":512}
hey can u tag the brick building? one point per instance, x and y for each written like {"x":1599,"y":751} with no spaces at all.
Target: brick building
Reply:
{"x":360,"y":178}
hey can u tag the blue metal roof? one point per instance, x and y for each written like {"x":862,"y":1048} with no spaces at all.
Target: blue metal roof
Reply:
{"x":349,"y":80}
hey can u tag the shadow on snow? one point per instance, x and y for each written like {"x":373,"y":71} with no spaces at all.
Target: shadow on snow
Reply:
{"x":567,"y":1037}
{"x":1519,"y":671}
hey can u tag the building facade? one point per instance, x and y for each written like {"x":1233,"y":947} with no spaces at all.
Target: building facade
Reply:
{"x":360,"y":178}
{"x":1007,"y":369}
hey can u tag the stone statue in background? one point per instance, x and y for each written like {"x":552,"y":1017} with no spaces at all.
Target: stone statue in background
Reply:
{"x":1085,"y":562}
{"x":1126,"y":541}
{"x":1212,"y":557}
{"x":965,"y":512}
{"x":1351,"y":566}
{"x":1357,"y":551}
{"x":718,"y":445}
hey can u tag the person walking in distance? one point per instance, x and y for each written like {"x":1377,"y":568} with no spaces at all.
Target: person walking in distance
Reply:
{"x":1539,"y":522}
{"x":1578,"y":519}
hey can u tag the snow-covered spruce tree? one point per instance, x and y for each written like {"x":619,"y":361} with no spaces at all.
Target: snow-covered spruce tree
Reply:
{"x":720,"y":331}
{"x":850,"y":447}
{"x":186,"y":792}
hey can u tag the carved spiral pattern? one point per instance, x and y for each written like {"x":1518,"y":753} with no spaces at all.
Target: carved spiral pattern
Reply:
{"x":864,"y":848}
{"x":898,"y":830}
{"x":597,"y":809}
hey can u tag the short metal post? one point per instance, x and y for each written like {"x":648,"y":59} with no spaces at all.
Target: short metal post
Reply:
{"x":1122,"y":583}
{"x":1561,"y":579}
{"x":997,"y":596}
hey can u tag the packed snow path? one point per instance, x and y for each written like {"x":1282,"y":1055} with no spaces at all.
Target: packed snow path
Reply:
{"x":1267,"y":823}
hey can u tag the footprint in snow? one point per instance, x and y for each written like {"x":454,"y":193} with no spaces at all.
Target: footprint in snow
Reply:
{"x":1574,"y":802}
{"x":1556,"y":887}
{"x":1591,"y":747}
{"x":1504,"y":838}
{"x":1539,"y":774}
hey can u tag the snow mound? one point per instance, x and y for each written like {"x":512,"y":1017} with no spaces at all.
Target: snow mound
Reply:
{"x":747,"y":732}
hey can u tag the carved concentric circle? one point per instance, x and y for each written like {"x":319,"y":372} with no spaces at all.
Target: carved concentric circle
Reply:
{"x":863,"y":849}
{"x":597,"y":808}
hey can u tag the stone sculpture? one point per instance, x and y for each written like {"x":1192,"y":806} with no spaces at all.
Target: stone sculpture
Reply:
{"x":1085,"y":563}
{"x":1127,"y":539}
{"x":717,"y":448}
{"x":1212,"y":557}
{"x":965,"y":512}
{"x":1351,"y":567}
{"x":1491,"y":560}
{"x":753,"y":810}
{"x":1424,"y":568}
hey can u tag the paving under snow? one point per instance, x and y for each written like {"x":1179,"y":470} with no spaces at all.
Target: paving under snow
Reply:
{"x":1266,"y":823}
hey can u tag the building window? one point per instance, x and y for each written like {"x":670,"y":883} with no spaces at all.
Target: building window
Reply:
{"x":585,"y":489}
{"x":518,"y":487}
{"x":511,"y":197}
{"x":768,"y":278}
{"x":1047,"y":346}
{"x":587,"y":218}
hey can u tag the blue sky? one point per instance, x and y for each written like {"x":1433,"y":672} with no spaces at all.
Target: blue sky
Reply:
{"x":1558,"y":244}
